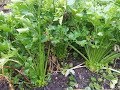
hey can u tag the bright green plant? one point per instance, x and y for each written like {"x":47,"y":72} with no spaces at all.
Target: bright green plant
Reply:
{"x":28,"y":35}
{"x":5,"y":58}
{"x":7,"y":51}
{"x":97,"y":58}
{"x":25,"y":27}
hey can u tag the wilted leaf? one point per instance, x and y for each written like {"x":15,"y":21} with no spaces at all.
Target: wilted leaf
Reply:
{"x":69,"y":71}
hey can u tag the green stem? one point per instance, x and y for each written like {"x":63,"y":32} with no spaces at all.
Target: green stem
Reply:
{"x":112,"y":69}
{"x":78,"y":51}
{"x":41,"y":58}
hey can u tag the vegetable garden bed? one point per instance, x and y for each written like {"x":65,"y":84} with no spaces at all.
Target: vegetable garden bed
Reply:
{"x":60,"y":45}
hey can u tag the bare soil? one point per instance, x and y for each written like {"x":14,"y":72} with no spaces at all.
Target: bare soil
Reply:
{"x":82,"y":77}
{"x":4,"y":84}
{"x":58,"y":82}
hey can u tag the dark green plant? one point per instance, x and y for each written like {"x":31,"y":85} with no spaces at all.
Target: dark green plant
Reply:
{"x":61,"y":50}
{"x":95,"y":84}
{"x":28,"y":38}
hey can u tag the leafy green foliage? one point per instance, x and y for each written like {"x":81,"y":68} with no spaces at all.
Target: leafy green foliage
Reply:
{"x":27,"y":34}
{"x":61,"y":50}
{"x":32,"y":23}
{"x":95,"y":27}
{"x":99,"y":57}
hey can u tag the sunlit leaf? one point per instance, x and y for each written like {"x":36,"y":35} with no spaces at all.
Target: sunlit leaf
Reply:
{"x":22,"y":30}
{"x":70,"y":2}
{"x":3,"y":61}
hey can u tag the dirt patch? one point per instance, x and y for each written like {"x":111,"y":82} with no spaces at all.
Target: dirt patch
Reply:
{"x":117,"y":64}
{"x":58,"y":82}
{"x":4,"y":83}
{"x":82,"y":77}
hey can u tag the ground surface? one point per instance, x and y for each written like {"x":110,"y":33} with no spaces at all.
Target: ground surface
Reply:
{"x":4,"y":84}
{"x":82,"y":77}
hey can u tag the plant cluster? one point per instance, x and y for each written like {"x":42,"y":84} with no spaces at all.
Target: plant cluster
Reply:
{"x":32,"y":26}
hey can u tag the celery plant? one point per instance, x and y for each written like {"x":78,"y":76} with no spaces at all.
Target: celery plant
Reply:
{"x":97,"y":58}
{"x":27,"y":14}
{"x":40,"y":64}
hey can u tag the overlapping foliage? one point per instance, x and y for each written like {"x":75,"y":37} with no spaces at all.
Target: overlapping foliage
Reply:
{"x":86,"y":23}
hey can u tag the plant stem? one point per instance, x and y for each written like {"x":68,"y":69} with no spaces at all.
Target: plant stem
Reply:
{"x":78,"y":51}
{"x":112,"y":69}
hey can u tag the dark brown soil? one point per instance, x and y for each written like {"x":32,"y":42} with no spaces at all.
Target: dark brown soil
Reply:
{"x":4,"y":84}
{"x":82,"y":77}
{"x":117,"y":64}
{"x":58,"y":82}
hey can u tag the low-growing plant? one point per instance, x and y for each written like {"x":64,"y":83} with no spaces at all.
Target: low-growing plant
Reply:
{"x":99,"y":57}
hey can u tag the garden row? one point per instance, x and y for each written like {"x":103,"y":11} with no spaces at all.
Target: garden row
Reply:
{"x":38,"y":36}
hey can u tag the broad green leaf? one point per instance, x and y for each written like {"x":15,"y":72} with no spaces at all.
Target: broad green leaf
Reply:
{"x":5,"y":28}
{"x":4,"y":46}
